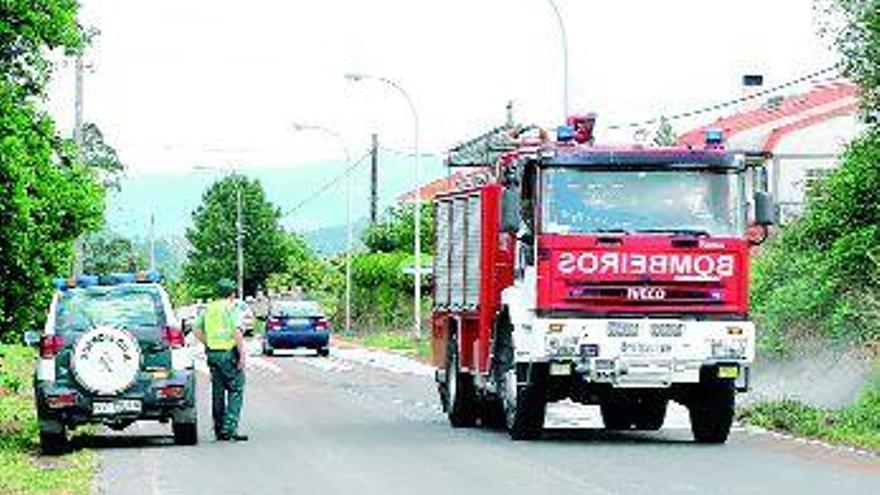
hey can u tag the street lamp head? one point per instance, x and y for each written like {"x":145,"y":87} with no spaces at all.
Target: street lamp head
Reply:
{"x":299,"y":126}
{"x":354,"y":77}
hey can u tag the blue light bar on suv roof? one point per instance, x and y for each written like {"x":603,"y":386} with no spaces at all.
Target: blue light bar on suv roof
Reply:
{"x":84,"y":281}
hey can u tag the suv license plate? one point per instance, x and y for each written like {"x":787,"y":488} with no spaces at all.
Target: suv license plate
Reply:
{"x":116,"y":406}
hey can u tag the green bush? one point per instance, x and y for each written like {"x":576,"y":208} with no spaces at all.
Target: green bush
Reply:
{"x":381,"y":291}
{"x":857,"y":425}
{"x":821,"y":274}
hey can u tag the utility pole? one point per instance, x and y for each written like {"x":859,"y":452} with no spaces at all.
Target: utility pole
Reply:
{"x":77,"y":267}
{"x":152,"y":242}
{"x":238,"y":240}
{"x":374,"y":179}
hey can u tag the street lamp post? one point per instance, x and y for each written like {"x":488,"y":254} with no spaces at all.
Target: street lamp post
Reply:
{"x":564,"y":40}
{"x":239,"y":227}
{"x":299,"y":127}
{"x":417,"y":203}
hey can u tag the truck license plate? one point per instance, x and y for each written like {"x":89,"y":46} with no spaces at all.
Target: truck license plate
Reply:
{"x":116,"y":406}
{"x":636,"y":348}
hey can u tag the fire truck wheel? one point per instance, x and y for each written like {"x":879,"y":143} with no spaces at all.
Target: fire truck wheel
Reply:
{"x":711,"y":412}
{"x":525,"y":406}
{"x":492,"y":413}
{"x":462,"y":406}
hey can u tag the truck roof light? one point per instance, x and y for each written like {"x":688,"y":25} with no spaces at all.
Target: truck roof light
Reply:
{"x":714,"y":138}
{"x":120,"y":278}
{"x":87,"y":281}
{"x":564,"y":133}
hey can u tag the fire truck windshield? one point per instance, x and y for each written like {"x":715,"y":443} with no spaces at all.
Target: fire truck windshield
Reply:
{"x":703,"y":202}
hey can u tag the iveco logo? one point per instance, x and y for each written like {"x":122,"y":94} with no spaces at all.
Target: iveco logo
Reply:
{"x":646,"y":293}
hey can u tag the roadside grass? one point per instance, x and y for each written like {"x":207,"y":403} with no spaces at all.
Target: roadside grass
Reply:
{"x":857,"y":425}
{"x":401,"y":342}
{"x":22,"y":471}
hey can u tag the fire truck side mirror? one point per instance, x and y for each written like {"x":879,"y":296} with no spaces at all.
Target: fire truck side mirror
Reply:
{"x":765,"y":210}
{"x":510,"y":211}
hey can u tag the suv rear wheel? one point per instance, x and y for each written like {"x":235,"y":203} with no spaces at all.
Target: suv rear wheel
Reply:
{"x":185,"y":427}
{"x":52,"y":441}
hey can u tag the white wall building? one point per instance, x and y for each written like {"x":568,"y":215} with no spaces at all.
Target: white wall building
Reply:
{"x":802,"y":137}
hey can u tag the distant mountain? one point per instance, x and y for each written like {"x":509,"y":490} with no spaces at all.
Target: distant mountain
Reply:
{"x":312,"y":204}
{"x":331,"y":240}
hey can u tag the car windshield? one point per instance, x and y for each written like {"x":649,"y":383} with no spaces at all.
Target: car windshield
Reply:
{"x":119,"y":306}
{"x":298,"y":308}
{"x":652,"y":201}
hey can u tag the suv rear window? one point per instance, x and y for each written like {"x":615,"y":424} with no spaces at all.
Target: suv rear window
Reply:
{"x":131,"y":307}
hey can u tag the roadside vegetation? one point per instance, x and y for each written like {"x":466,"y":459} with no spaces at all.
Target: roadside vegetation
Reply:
{"x":820,"y":276}
{"x":22,"y":471}
{"x":857,"y":425}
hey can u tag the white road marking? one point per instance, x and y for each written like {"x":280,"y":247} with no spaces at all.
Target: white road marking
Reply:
{"x":387,"y":361}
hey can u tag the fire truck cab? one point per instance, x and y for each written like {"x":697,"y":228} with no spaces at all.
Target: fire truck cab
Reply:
{"x":612,"y":276}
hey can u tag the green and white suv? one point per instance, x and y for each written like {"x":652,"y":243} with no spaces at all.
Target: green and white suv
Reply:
{"x":112,"y":352}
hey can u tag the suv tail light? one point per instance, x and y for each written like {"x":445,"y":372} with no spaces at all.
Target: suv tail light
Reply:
{"x":50,"y":345}
{"x":173,"y":337}
{"x":274,"y":324}
{"x":322,"y":324}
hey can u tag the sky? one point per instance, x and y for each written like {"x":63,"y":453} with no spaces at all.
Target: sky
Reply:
{"x":176,"y":84}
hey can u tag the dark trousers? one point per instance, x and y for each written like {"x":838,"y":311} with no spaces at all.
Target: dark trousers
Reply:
{"x":227,"y":391}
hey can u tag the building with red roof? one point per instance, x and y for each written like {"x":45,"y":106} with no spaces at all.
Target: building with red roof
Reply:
{"x":802,"y":136}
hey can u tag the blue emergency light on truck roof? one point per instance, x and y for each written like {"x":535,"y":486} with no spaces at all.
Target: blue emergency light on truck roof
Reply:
{"x":85,"y":281}
{"x":564,"y":133}
{"x":714,"y":137}
{"x":621,"y":158}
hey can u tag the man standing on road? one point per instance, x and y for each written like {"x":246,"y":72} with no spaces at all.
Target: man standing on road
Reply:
{"x":218,"y":328}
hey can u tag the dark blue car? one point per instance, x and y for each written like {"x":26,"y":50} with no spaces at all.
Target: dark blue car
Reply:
{"x":296,"y":324}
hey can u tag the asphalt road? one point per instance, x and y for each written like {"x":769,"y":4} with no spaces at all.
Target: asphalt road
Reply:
{"x":358,"y":423}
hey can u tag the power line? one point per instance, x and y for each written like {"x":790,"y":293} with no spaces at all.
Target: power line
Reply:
{"x":737,"y":101}
{"x":321,"y":190}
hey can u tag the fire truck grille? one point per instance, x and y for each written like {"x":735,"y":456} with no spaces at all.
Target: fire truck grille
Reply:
{"x":641,"y":293}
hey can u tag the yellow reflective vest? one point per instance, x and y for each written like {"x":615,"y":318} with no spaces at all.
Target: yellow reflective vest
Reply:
{"x":219,"y":326}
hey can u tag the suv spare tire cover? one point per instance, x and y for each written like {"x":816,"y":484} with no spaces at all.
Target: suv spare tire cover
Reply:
{"x":106,"y":360}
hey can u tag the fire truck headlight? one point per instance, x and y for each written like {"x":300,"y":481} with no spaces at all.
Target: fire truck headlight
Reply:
{"x":729,"y":348}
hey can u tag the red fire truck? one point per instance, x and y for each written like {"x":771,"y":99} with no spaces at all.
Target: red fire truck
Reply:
{"x":612,"y":276}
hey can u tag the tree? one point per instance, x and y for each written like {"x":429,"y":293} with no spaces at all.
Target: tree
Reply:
{"x":303,"y":268}
{"x":49,"y":199}
{"x":213,"y":237}
{"x":396,"y":233}
{"x":858,"y":40}
{"x":100,"y":156}
{"x":105,"y":252}
{"x":665,"y":135}
{"x":28,"y":30}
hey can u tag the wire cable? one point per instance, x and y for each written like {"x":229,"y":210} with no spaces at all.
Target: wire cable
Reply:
{"x":326,"y":186}
{"x":720,"y":106}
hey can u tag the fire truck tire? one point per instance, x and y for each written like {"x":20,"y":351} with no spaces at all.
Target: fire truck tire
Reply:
{"x":711,"y":412}
{"x":525,"y":421}
{"x":492,"y":414}
{"x":524,"y":405}
{"x":462,"y":406}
